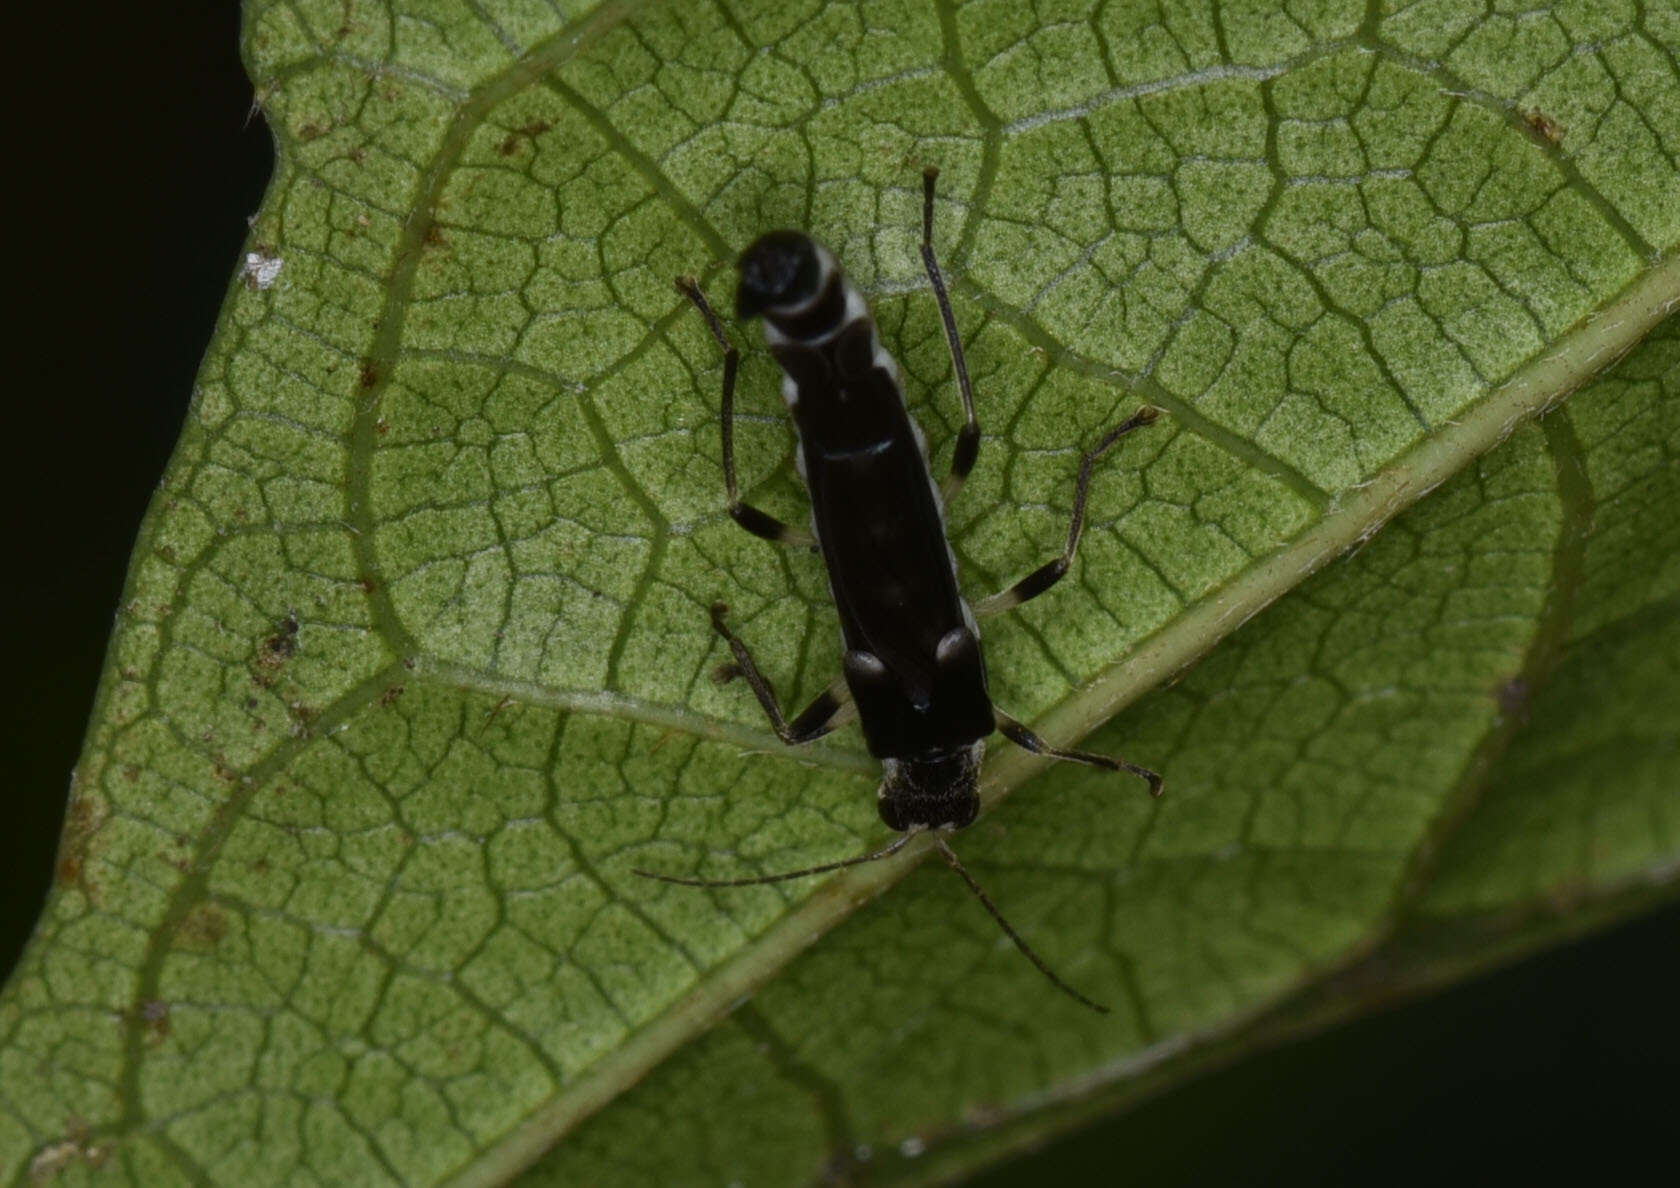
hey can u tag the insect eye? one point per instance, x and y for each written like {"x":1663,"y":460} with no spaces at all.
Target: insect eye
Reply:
{"x":893,"y":813}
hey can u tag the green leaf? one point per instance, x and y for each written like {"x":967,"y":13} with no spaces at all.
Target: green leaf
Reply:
{"x":413,"y":666}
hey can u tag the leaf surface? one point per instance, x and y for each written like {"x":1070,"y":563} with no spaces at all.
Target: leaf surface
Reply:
{"x":413,"y":666}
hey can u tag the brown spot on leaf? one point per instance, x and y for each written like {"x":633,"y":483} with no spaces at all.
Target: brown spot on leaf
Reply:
{"x":81,"y":820}
{"x":69,"y":869}
{"x":154,"y":1019}
{"x":526,"y":133}
{"x":1543,"y":125}
{"x":280,"y":646}
{"x":370,"y":374}
{"x":303,"y":716}
{"x":390,"y":695}
{"x":202,"y":928}
{"x":725,"y":672}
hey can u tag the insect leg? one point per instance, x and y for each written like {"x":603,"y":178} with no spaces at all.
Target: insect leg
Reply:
{"x":968,"y":437}
{"x":829,"y":709}
{"x":757,"y":522}
{"x":1027,"y":740}
{"x":1051,"y":572}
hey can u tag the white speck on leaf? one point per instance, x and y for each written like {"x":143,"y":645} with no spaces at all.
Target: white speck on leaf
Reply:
{"x":262,"y":270}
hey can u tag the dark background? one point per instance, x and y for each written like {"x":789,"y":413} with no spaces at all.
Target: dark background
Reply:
{"x":138,"y":169}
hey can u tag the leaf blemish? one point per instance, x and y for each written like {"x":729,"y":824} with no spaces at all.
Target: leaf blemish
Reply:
{"x":154,"y":1020}
{"x":262,"y":268}
{"x":82,"y":821}
{"x":202,"y":928}
{"x":529,"y":132}
{"x":1543,"y":126}
{"x":280,"y":646}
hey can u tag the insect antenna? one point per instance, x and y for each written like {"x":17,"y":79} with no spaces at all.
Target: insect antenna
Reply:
{"x":1026,"y":949}
{"x":884,"y":852}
